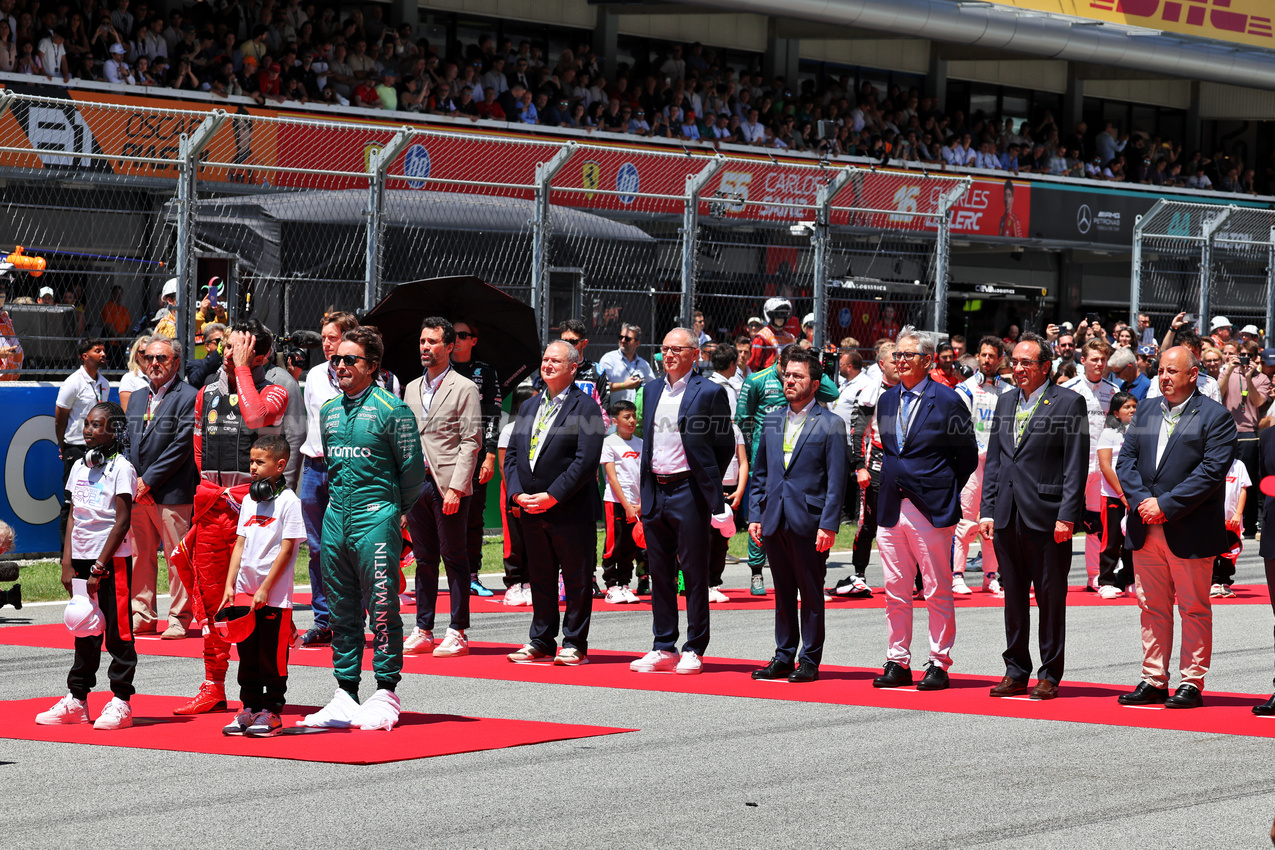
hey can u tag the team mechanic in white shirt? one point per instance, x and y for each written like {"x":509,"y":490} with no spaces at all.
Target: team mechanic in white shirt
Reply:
{"x":1093,"y":386}
{"x":979,"y":393}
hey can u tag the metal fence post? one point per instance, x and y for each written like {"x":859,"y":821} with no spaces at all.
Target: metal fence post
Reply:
{"x":943,"y":252}
{"x":695,"y":183}
{"x":1270,"y":290}
{"x":821,"y":238}
{"x":189,"y":149}
{"x":1135,"y":276}
{"x":378,"y":166}
{"x":540,"y":232}
{"x":1208,"y":231}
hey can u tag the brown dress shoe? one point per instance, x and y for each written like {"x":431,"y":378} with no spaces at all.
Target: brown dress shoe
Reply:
{"x":1044,"y":689}
{"x":1009,"y":687}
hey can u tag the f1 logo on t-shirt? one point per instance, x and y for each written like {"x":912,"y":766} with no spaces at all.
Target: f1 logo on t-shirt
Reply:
{"x":259,"y":521}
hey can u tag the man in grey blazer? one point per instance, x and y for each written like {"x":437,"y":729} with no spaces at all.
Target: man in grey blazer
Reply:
{"x":449,"y":417}
{"x":161,"y":447}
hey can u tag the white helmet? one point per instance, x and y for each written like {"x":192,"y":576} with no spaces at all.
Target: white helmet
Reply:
{"x":82,"y":616}
{"x":773,"y":304}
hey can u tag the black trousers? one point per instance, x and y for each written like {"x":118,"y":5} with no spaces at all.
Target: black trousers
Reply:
{"x":1224,"y":564}
{"x":263,"y":660}
{"x":867,"y":531}
{"x":1115,"y":563}
{"x":1246,"y":450}
{"x":621,"y":552}
{"x":677,"y":528}
{"x":1270,"y":583}
{"x":1026,"y":557}
{"x":515,"y":548}
{"x":474,"y":527}
{"x":796,"y":566}
{"x":574,"y":547}
{"x":115,"y":599}
{"x":719,"y":545}
{"x":71,"y":452}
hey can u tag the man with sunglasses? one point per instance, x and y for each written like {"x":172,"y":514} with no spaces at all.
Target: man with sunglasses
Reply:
{"x":161,"y":447}
{"x":591,"y":380}
{"x":626,"y":370}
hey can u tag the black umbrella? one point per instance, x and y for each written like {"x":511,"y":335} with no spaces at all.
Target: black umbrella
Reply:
{"x":507,"y":338}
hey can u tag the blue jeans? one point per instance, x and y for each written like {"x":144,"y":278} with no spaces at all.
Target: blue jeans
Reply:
{"x":436,"y":534}
{"x":314,"y":502}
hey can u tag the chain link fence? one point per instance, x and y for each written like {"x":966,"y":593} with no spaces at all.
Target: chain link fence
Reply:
{"x":297,"y":217}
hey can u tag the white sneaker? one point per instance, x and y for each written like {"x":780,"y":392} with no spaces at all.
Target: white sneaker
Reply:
{"x":715,"y":595}
{"x":379,"y":711}
{"x":1109,"y":591}
{"x":655,"y":661}
{"x":418,"y":642}
{"x":66,"y":711}
{"x":454,"y":645}
{"x":993,"y":585}
{"x":1216,"y":591}
{"x":117,"y":715}
{"x":526,"y":596}
{"x":569,"y":656}
{"x":265,"y":724}
{"x":959,"y":587}
{"x":240,"y":724}
{"x":334,"y":715}
{"x":690,"y":664}
{"x":629,"y":596}
{"x":513,"y":595}
{"x":615,"y":596}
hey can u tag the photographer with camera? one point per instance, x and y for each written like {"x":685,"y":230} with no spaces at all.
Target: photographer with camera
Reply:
{"x":1245,"y":391}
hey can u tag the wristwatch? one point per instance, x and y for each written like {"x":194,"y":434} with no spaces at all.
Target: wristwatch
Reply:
{"x":97,"y":569}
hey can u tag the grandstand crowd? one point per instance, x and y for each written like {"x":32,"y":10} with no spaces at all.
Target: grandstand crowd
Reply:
{"x":299,"y":52}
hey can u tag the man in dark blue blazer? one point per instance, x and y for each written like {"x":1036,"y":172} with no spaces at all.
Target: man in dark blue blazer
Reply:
{"x":797,"y":487}
{"x":1033,"y":496}
{"x":551,"y":474}
{"x":161,"y":447}
{"x":1173,"y":468}
{"x":687,"y":443}
{"x":928,"y":453}
{"x":1266,"y":469}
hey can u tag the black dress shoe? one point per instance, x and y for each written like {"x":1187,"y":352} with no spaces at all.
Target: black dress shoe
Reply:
{"x":894,"y":676}
{"x":776,"y":669}
{"x":1144,"y":694}
{"x":805,"y":672}
{"x":935,"y":679}
{"x":1186,"y":696}
{"x":1266,"y":709}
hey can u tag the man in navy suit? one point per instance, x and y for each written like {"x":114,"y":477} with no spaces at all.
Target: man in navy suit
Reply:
{"x":1173,"y":470}
{"x":798,"y":484}
{"x":1266,"y":469}
{"x":687,"y":443}
{"x":551,"y":474}
{"x":928,"y":453}
{"x":1033,"y":496}
{"x":161,"y":447}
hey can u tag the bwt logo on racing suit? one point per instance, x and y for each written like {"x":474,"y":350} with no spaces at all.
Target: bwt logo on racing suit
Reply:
{"x":349,"y":451}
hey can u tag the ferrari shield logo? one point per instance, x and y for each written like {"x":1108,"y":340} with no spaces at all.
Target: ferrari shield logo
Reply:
{"x":591,"y":176}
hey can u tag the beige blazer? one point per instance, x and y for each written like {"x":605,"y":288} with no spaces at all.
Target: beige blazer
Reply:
{"x":450,"y":433}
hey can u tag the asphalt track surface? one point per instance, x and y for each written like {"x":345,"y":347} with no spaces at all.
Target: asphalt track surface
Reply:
{"x":703,"y":771}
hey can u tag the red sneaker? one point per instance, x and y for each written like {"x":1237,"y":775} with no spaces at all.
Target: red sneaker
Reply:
{"x":211,"y":697}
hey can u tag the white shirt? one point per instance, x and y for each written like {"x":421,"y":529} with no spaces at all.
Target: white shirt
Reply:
{"x":319,"y":389}
{"x":668,"y":455}
{"x":506,"y":433}
{"x":618,"y":370}
{"x":1028,"y":402}
{"x":1206,"y":384}
{"x":795,"y":422}
{"x":544,"y":418}
{"x":78,"y":394}
{"x":627,"y":457}
{"x":264,"y":526}
{"x":1114,"y":440}
{"x":92,"y":493}
{"x":732,"y":394}
{"x":133,"y":382}
{"x":156,"y":396}
{"x":731,"y":478}
{"x":1097,"y":398}
{"x":1236,"y":481}
{"x":980,"y":395}
{"x":429,"y":388}
{"x":1165,"y":431}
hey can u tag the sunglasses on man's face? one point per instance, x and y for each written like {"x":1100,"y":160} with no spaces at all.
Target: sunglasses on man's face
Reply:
{"x":466,"y":335}
{"x":347,"y":359}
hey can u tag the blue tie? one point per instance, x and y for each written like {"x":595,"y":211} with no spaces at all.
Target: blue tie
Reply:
{"x":905,"y":416}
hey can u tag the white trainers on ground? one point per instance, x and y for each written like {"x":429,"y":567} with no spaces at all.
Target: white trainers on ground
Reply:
{"x":418,"y":642}
{"x":690,"y":664}
{"x":454,"y":645}
{"x":66,"y":711}
{"x":513,"y":595}
{"x":241,"y":722}
{"x":526,"y":595}
{"x":569,"y":656}
{"x":1109,"y":591}
{"x":334,"y":715}
{"x":629,"y":596}
{"x":615,"y":596}
{"x":265,"y":724}
{"x":992,"y":584}
{"x":655,"y":661}
{"x":527,"y":654}
{"x":715,"y":595}
{"x":117,"y":715}
{"x":959,"y":587}
{"x":379,"y":711}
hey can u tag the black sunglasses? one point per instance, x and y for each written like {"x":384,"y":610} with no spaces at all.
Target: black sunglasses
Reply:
{"x":627,"y":338}
{"x":347,"y":359}
{"x":466,"y":335}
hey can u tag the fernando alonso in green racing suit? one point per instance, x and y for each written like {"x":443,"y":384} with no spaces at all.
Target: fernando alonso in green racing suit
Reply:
{"x":375,"y":472}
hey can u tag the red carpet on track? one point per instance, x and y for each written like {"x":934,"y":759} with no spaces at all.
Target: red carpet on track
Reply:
{"x":417,"y":736}
{"x":1080,"y":702}
{"x":742,"y":600}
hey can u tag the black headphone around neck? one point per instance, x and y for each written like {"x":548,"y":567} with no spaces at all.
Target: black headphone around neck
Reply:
{"x":266,"y":489}
{"x":97,"y":456}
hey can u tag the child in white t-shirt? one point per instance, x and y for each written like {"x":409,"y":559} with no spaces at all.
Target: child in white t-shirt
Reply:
{"x":733,"y":484}
{"x":1237,"y":483}
{"x":101,"y":489}
{"x":622,"y":463}
{"x":262,"y":566}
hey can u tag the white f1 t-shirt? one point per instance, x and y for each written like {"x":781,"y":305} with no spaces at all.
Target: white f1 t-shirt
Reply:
{"x":92,"y":493}
{"x":264,"y":526}
{"x":627,"y":457}
{"x":1237,"y":481}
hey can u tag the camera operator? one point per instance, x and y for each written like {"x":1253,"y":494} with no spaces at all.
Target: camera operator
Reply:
{"x":1245,"y":391}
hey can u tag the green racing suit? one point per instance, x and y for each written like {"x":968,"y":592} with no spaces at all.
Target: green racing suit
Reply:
{"x":375,"y":472}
